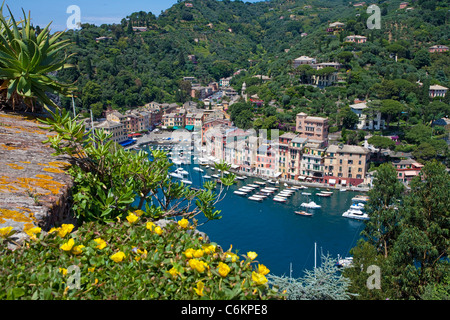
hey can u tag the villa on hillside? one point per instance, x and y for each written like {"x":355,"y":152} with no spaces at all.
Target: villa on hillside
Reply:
{"x":437,"y":91}
{"x":437,"y":48}
{"x":356,"y":39}
{"x":407,"y":169}
{"x":335,"y":27}
{"x":373,"y":122}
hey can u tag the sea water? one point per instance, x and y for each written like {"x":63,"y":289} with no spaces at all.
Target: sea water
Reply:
{"x":284,"y":241}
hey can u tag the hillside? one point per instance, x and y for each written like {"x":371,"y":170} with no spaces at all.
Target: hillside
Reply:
{"x":145,"y":58}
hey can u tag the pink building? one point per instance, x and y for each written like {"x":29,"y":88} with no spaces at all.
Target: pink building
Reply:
{"x":437,"y":48}
{"x":407,"y":169}
{"x":313,"y":128}
{"x":356,"y":39}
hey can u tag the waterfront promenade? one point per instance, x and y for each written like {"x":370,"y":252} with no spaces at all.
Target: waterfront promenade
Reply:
{"x":164,"y":138}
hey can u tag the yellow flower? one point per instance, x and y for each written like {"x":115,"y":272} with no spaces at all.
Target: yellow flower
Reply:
{"x":141,"y":253}
{"x":6,"y":232}
{"x":183,"y":223}
{"x":150,"y":226}
{"x":258,"y":278}
{"x":77,"y":249}
{"x":231,"y":255}
{"x":101,"y":244}
{"x":189,"y":253}
{"x":158,"y":230}
{"x":198,"y":253}
{"x":118,"y":256}
{"x":252,"y":255}
{"x":223,"y":269}
{"x":262,"y":269}
{"x":199,"y":289}
{"x":91,"y":269}
{"x":53,"y":230}
{"x":63,"y":271}
{"x":138,"y":212}
{"x":209,"y":249}
{"x":68,"y":245}
{"x":65,"y":229}
{"x":198,"y":265}
{"x":32,"y":232}
{"x":132,"y":218}
{"x":174,"y":272}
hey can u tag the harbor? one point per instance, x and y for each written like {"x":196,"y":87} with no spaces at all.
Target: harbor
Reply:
{"x":267,"y":217}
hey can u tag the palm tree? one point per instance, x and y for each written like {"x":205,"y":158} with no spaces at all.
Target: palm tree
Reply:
{"x":27,"y":60}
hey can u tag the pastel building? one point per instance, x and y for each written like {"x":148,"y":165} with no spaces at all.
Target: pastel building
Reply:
{"x":365,"y":121}
{"x":437,"y":91}
{"x":313,"y":128}
{"x":407,"y":170}
{"x":345,"y":165}
{"x":312,"y":163}
{"x":356,"y":39}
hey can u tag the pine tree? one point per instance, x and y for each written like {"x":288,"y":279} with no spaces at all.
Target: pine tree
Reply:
{"x":384,"y":198}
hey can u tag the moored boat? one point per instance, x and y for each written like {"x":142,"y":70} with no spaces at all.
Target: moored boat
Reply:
{"x":355,"y":214}
{"x":255,"y":198}
{"x":324,"y":194}
{"x":303,"y":213}
{"x":311,"y":205}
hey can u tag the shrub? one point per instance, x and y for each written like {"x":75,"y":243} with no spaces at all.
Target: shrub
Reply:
{"x":130,"y":259}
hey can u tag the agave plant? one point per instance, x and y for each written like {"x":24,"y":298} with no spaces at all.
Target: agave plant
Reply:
{"x":27,"y":60}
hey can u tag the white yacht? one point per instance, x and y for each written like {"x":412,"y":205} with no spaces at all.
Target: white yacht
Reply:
{"x":355,"y":214}
{"x":311,"y":205}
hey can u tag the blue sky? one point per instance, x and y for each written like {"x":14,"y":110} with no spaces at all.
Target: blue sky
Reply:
{"x":92,"y":11}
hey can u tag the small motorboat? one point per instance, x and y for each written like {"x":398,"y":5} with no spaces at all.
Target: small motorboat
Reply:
{"x":186,"y":181}
{"x":255,"y":198}
{"x":356,"y":214}
{"x":279,"y":199}
{"x":306,"y":193}
{"x":303,"y":213}
{"x":198,"y":169}
{"x":321,"y":194}
{"x":206,"y":176}
{"x":241,"y":193}
{"x":176,"y":175}
{"x":181,"y":171}
{"x":260,"y":196}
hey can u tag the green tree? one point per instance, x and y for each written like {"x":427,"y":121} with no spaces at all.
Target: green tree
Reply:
{"x":420,"y":253}
{"x":422,"y":58}
{"x":383,"y":227}
{"x":91,"y":93}
{"x":391,"y":109}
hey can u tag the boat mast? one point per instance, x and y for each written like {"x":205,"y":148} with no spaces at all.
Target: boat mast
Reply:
{"x":315,"y":255}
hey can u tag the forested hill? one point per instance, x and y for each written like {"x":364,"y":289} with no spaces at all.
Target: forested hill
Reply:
{"x":118,"y":66}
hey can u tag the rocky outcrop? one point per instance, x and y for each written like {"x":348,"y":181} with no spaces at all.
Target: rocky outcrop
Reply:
{"x":34,"y":185}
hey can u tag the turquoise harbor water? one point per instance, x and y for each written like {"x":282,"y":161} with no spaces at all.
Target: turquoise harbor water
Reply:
{"x":280,"y":237}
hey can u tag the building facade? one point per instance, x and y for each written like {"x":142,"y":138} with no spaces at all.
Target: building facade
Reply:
{"x":345,"y":165}
{"x":313,"y":128}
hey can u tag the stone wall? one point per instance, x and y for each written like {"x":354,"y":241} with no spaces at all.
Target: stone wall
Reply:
{"x":34,"y":185}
